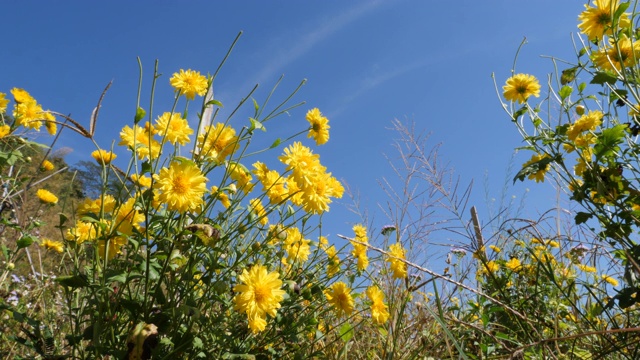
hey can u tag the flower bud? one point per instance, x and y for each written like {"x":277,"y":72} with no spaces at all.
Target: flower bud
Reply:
{"x":580,"y":110}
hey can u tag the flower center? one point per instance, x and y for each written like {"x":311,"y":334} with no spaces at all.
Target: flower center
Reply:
{"x":180,"y":185}
{"x":261,"y":293}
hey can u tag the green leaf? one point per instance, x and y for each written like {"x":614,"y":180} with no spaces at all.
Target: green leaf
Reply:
{"x":25,"y":241}
{"x":255,"y":124}
{"x":276,"y":143}
{"x":346,"y":332}
{"x":609,"y":139}
{"x":619,"y":11}
{"x":565,"y":92}
{"x":255,"y":104}
{"x":582,"y":86}
{"x":140,"y":113}
{"x":519,"y":113}
{"x":214,"y":102}
{"x":604,"y":77}
{"x":73,"y":281}
{"x":568,"y":75}
{"x":582,"y":217}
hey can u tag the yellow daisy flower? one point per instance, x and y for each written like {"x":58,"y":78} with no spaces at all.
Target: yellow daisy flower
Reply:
{"x":339,"y":295}
{"x":175,"y":128}
{"x":56,"y":246}
{"x":520,"y":86}
{"x":319,"y":130}
{"x":596,"y":21}
{"x":46,"y":197}
{"x":189,"y":83}
{"x":181,"y":186}
{"x":398,"y":266}
{"x":379,"y":312}
{"x":258,"y":294}
{"x":103,"y":157}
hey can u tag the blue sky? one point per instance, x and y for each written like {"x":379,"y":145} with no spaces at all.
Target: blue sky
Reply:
{"x":366,"y":63}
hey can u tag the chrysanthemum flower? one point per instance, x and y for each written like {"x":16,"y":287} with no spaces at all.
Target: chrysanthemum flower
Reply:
{"x":538,"y":176}
{"x":141,"y":141}
{"x":189,"y":83}
{"x":512,"y":264}
{"x":176,"y":128}
{"x":142,"y":181}
{"x":586,"y":268}
{"x":623,"y":52}
{"x":609,"y":279}
{"x":50,"y":122}
{"x":587,"y":122}
{"x":4,"y":130}
{"x":520,"y":86}
{"x":21,"y":95}
{"x":3,"y":102}
{"x":258,"y":294}
{"x":379,"y":312}
{"x":398,"y":266}
{"x":103,"y":204}
{"x":103,"y":157}
{"x":319,"y":130}
{"x":360,"y":250}
{"x":596,"y":21}
{"x":56,"y":246}
{"x":302,"y":162}
{"x":223,"y":197}
{"x":28,"y":114}
{"x":333,"y":266}
{"x":296,"y":246}
{"x":181,"y":186}
{"x":339,"y":295}
{"x":217,"y":142}
{"x":46,"y":197}
{"x":255,"y":206}
{"x":83,"y":231}
{"x":243,"y":177}
{"x":46,"y":165}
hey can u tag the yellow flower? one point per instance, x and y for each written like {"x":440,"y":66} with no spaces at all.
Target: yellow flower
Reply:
{"x":609,"y":279}
{"x":255,"y":206}
{"x":339,"y":295}
{"x":21,"y":95}
{"x":359,"y":250}
{"x":296,"y":246}
{"x":587,"y":122}
{"x":319,"y":130}
{"x":224,"y":198}
{"x":83,"y":231}
{"x":333,"y":265}
{"x":46,"y":197}
{"x":489,"y":267}
{"x":141,"y":141}
{"x":538,"y":176}
{"x":586,"y":268}
{"x":4,"y":130}
{"x":520,"y":86}
{"x":189,"y":83}
{"x":3,"y":102}
{"x":103,"y":157}
{"x":495,"y":248}
{"x":217,"y":142}
{"x":104,"y":204}
{"x":181,"y":186}
{"x":258,"y":294}
{"x":176,"y":128}
{"x":28,"y":114}
{"x":142,"y":181}
{"x":56,"y":246}
{"x":623,"y":52}
{"x":379,"y":312}
{"x":46,"y":165}
{"x":50,"y":123}
{"x":596,"y":21}
{"x":243,"y":177}
{"x":512,"y":264}
{"x":397,"y":254}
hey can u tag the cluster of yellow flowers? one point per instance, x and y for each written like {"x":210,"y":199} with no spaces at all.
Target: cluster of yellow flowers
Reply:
{"x":27,"y":113}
